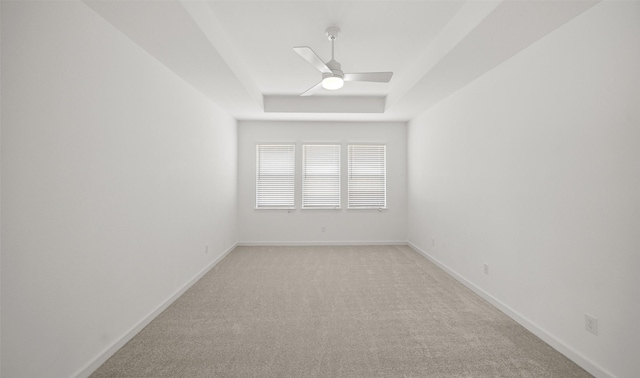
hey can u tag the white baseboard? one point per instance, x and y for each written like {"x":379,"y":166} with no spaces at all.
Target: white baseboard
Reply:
{"x":111,"y":350}
{"x":558,"y":345}
{"x":312,"y":243}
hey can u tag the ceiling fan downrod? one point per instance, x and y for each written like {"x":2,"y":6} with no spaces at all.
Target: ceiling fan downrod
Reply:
{"x":332,"y":34}
{"x":335,"y":79}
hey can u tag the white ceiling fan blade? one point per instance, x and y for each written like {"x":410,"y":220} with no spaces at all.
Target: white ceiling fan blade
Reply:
{"x":312,"y":90}
{"x":312,"y":57}
{"x":378,"y":77}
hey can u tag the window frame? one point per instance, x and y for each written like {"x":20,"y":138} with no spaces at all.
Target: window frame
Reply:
{"x":303,"y":177}
{"x":292,"y":174}
{"x":350,"y":180}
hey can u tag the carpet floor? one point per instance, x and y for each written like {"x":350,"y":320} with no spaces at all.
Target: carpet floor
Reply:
{"x":347,"y":311}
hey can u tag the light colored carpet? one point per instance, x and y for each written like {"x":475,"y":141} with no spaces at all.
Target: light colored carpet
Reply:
{"x":348,"y":311}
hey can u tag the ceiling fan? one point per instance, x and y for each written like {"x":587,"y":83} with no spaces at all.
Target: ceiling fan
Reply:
{"x":332,"y":76}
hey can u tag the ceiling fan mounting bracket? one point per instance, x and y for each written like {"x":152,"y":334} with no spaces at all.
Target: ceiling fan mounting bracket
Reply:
{"x":332,"y":32}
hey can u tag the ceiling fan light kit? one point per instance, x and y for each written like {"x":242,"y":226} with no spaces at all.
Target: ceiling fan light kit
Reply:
{"x":332,"y":76}
{"x":332,"y":82}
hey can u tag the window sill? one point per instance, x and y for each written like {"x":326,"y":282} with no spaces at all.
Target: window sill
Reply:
{"x":275,"y":208}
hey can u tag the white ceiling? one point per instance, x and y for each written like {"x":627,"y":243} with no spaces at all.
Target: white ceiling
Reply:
{"x":239,"y":53}
{"x":263,"y":34}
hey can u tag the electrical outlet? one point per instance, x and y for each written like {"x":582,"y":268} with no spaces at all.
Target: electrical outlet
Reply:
{"x":486,"y":268}
{"x":324,"y":229}
{"x":433,"y":242}
{"x":206,"y":249}
{"x":591,"y":324}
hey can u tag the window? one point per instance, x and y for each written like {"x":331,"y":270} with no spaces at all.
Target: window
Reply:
{"x":367,"y":177}
{"x":320,"y":176}
{"x":275,"y":176}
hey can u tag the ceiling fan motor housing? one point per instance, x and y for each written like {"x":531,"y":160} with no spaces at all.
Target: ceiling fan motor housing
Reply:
{"x":336,"y":69}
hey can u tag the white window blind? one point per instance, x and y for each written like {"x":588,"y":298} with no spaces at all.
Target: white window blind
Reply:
{"x":275,"y":176}
{"x":367,"y":176}
{"x":321,"y":176}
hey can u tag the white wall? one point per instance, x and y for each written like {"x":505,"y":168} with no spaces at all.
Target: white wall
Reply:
{"x":115,"y":176}
{"x":305,"y":226}
{"x":534,"y":169}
